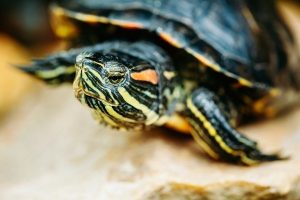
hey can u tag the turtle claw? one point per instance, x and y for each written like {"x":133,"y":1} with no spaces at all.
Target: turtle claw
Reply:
{"x":261,"y":157}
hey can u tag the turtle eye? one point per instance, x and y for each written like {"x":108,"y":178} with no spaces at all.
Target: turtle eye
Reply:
{"x":116,"y":72}
{"x":116,"y":78}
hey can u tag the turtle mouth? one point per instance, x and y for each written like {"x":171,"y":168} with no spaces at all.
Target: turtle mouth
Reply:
{"x":80,"y":93}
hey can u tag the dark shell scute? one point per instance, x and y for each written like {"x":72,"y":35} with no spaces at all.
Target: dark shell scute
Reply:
{"x":217,"y":30}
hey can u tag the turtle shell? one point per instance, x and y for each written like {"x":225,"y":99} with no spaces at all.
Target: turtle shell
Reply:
{"x":230,"y":37}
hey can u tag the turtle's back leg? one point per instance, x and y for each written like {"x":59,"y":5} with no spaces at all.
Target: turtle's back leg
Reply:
{"x":55,"y":69}
{"x":60,"y":67}
{"x":215,"y":134}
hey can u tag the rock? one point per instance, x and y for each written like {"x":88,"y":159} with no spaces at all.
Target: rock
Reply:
{"x":51,"y":148}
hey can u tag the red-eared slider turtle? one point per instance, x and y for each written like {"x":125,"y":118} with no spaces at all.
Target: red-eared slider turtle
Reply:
{"x":199,"y":66}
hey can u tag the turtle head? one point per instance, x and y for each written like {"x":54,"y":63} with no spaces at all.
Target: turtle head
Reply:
{"x":123,"y":91}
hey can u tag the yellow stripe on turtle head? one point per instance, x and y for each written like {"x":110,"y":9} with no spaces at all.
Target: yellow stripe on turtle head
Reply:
{"x":151,"y":115}
{"x":118,"y":116}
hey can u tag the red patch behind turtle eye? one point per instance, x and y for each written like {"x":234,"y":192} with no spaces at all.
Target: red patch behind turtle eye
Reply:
{"x":148,"y":75}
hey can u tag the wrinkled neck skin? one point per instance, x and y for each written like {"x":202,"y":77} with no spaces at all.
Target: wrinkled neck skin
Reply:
{"x":129,"y":86}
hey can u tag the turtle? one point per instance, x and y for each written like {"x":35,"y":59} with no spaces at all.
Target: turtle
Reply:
{"x":201,"y":67}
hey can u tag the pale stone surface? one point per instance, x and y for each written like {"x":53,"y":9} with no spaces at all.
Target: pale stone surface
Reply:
{"x":51,"y":148}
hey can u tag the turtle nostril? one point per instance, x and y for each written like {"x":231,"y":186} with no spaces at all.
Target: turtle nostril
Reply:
{"x":78,"y":93}
{"x":85,"y":68}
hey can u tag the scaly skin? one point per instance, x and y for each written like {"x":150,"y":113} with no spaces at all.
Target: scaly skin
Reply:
{"x":134,"y":86}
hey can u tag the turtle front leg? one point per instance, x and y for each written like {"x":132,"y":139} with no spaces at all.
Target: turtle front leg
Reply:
{"x":212,"y":130}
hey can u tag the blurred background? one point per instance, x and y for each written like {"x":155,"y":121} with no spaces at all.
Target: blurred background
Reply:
{"x":25,"y":32}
